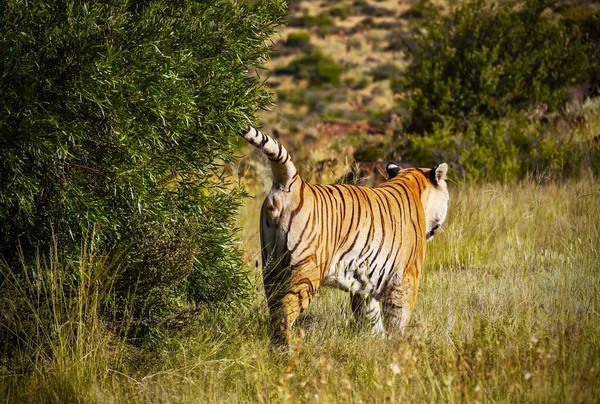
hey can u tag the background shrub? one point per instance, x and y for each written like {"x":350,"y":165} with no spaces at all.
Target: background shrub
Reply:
{"x":488,"y":85}
{"x":317,"y":68}
{"x":503,"y":149}
{"x":587,"y":22}
{"x":116,"y":117}
{"x":340,"y":12}
{"x":299,"y":39}
{"x":384,"y":71}
{"x":490,"y":59}
{"x":323,"y":23}
{"x":357,"y":82}
{"x":295,"y":43}
{"x":423,"y":9}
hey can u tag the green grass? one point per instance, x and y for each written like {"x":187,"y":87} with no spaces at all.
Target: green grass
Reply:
{"x":508,"y":311}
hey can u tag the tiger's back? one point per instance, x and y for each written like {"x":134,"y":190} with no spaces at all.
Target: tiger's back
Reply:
{"x":367,"y":241}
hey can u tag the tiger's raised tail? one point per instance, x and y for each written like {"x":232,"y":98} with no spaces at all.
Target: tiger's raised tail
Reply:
{"x":282,"y":166}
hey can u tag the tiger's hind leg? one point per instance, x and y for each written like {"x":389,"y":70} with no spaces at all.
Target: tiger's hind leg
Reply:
{"x":367,"y":311}
{"x":399,"y":299}
{"x":275,"y":284}
{"x":289,"y":296}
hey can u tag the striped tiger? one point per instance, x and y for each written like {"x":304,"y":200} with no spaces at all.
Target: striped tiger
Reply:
{"x":367,"y":241}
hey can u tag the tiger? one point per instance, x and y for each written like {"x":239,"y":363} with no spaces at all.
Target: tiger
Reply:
{"x":369,"y":242}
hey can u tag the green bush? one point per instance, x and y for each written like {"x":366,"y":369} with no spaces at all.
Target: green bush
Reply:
{"x":503,"y":149}
{"x":323,"y":23}
{"x":400,"y":40}
{"x":316,"y":68}
{"x":357,"y":82}
{"x":397,"y":84}
{"x":366,"y":151}
{"x":296,"y":42}
{"x":423,"y":9}
{"x":587,"y":22}
{"x":491,"y":59}
{"x":374,"y":11}
{"x":298,"y":39}
{"x":359,"y":3}
{"x":115,"y":119}
{"x":340,"y":12}
{"x":384,"y":72}
{"x":477,"y":75}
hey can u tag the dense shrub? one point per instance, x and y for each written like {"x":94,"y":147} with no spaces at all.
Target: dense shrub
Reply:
{"x":323,"y":23}
{"x":385,"y":71}
{"x":373,"y":11}
{"x":423,"y":9}
{"x":318,"y":99}
{"x":296,"y":42}
{"x":503,"y":149}
{"x":298,"y":39}
{"x":587,"y":22}
{"x":357,"y":82}
{"x":399,"y":40}
{"x":116,"y":117}
{"x":490,"y":59}
{"x":367,"y":151}
{"x":298,"y":97}
{"x":397,"y":84}
{"x":316,"y":68}
{"x":478,"y":79}
{"x":340,"y":12}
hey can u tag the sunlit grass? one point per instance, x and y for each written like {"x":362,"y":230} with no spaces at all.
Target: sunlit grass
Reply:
{"x":57,"y":349}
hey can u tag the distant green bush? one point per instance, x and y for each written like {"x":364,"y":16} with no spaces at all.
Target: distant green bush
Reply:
{"x":367,"y":151}
{"x":374,"y":11}
{"x":397,"y":84}
{"x":357,"y":82}
{"x":295,"y":96}
{"x":385,"y":71}
{"x":115,"y":119}
{"x":503,"y":149}
{"x":490,"y":59}
{"x":340,"y":12}
{"x":587,"y":22}
{"x":316,"y":67}
{"x":323,"y":23}
{"x":298,"y":39}
{"x":400,"y":40}
{"x":296,"y":42}
{"x":423,"y":9}
{"x":316,"y":98}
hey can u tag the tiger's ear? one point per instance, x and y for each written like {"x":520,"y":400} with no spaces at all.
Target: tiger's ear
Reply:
{"x":392,"y":169}
{"x":438,"y":173}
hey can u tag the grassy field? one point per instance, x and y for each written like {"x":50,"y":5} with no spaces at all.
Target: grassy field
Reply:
{"x":508,"y":311}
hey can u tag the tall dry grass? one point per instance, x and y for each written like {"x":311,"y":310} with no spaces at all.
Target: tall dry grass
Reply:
{"x":56,"y":346}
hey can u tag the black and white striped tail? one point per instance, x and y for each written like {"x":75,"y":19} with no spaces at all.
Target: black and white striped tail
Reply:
{"x":282,"y":166}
